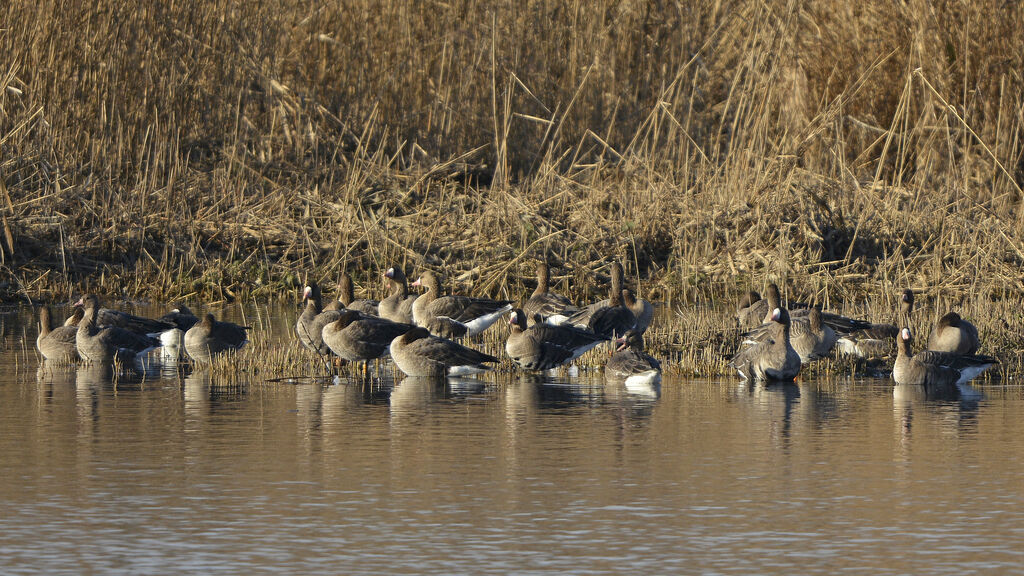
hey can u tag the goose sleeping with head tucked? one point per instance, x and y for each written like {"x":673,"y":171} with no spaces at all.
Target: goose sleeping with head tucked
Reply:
{"x":210,"y":337}
{"x":417,"y":353}
{"x":954,"y":334}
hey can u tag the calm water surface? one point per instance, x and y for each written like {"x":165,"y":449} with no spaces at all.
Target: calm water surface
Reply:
{"x":166,"y":474}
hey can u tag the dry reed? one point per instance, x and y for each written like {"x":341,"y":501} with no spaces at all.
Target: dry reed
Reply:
{"x":224,"y":150}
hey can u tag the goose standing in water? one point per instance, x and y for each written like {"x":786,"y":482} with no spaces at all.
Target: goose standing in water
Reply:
{"x":936,"y":371}
{"x":771,"y":359}
{"x":417,"y":353}
{"x":103,"y":344}
{"x":57,"y":344}
{"x":954,"y":334}
{"x":552,"y":307}
{"x":809,"y":336}
{"x":545,"y":346}
{"x":210,"y":337}
{"x":631,"y":364}
{"x":461,"y":315}
{"x":397,"y":307}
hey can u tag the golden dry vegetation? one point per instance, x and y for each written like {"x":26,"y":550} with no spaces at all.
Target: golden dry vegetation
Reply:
{"x":213,"y":150}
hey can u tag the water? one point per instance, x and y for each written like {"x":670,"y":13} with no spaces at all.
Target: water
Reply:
{"x":168,"y":475}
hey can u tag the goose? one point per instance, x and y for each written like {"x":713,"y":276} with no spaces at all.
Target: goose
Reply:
{"x":935,"y":370}
{"x":172,"y":339}
{"x":877,"y":341}
{"x":417,"y":353}
{"x":545,"y":346}
{"x":631,"y":364}
{"x":103,"y":345}
{"x":75,"y":317}
{"x":57,"y":344}
{"x":800,"y":311}
{"x":433,"y":308}
{"x":130,"y":322}
{"x":750,"y":311}
{"x":310,"y":324}
{"x":753,"y":310}
{"x":607,"y":317}
{"x":347,"y":297}
{"x":809,"y":336}
{"x":642,"y":310}
{"x":210,"y":337}
{"x":771,"y":359}
{"x":552,"y":307}
{"x":355,"y":336}
{"x":397,"y":307}
{"x":954,"y":334}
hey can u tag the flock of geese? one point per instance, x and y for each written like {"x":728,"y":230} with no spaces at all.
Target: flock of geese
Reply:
{"x":421,"y":333}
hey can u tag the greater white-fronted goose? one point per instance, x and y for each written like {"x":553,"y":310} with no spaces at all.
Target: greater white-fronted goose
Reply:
{"x":810,"y":336}
{"x":56,"y":344}
{"x":355,"y":336}
{"x":552,"y":307}
{"x":773,"y":358}
{"x":417,"y":353}
{"x":347,"y":297}
{"x":432,"y":307}
{"x":210,"y":337}
{"x":102,"y":345}
{"x":544,"y":346}
{"x":954,"y":334}
{"x":75,"y":317}
{"x":642,"y":310}
{"x":171,"y":340}
{"x":878,"y":340}
{"x":754,"y":310}
{"x":106,"y":317}
{"x":397,"y":307}
{"x":309,"y":327}
{"x":750,"y":312}
{"x":801,"y":311}
{"x":935,"y":370}
{"x":631,"y":364}
{"x":608,"y":317}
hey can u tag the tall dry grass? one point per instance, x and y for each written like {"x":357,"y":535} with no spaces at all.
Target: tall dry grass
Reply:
{"x":210,"y":149}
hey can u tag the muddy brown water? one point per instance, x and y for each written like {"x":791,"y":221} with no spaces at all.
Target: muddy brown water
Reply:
{"x":166,"y":473}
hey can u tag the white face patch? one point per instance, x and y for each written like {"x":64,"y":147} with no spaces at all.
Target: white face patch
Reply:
{"x":776,"y":314}
{"x":905,"y":333}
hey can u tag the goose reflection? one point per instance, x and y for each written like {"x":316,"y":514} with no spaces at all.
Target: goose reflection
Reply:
{"x":955,"y":408}
{"x":561,"y":393}
{"x":777,"y":401}
{"x":413,"y":395}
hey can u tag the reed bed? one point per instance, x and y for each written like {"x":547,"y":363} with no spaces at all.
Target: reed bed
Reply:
{"x":225,"y":151}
